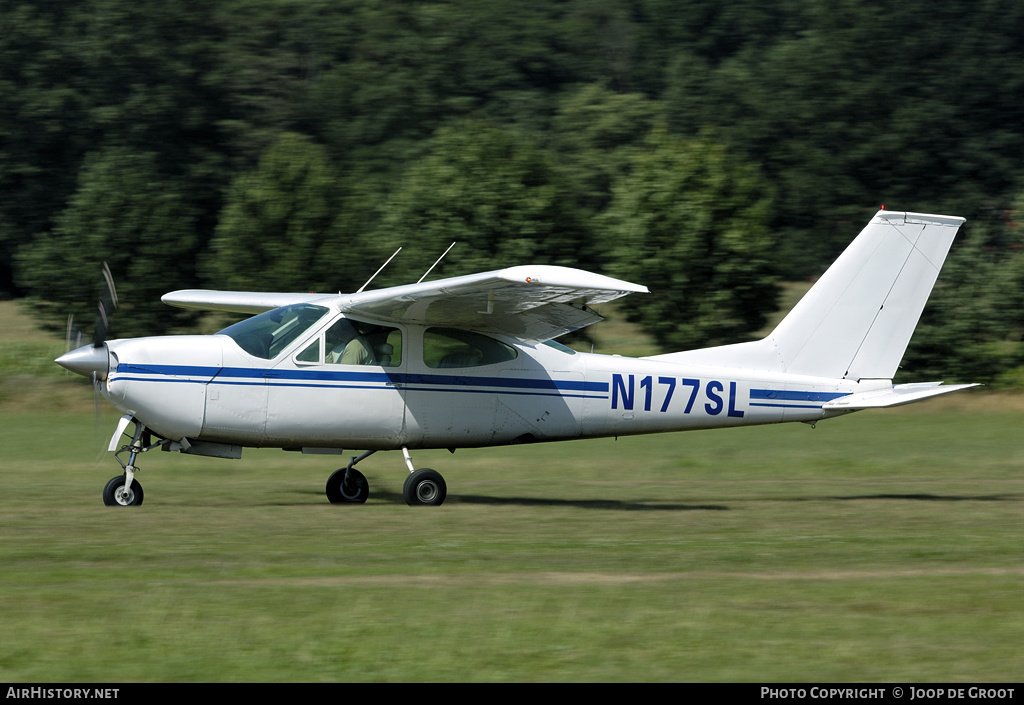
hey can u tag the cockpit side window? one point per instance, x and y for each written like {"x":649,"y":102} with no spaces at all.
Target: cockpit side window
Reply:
{"x":312,"y":354}
{"x":268,"y":334}
{"x":449,"y":347}
{"x":350,"y":342}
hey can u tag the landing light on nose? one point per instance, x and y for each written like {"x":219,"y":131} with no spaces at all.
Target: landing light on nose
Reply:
{"x":86,"y":361}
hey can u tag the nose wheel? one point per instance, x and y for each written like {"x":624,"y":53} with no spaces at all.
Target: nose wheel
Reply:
{"x":119,"y":492}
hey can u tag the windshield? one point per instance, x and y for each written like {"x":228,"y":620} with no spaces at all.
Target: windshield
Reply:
{"x":269,"y":333}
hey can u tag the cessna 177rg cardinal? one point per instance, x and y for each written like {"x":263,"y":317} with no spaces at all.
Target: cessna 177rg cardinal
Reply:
{"x":470,"y":361}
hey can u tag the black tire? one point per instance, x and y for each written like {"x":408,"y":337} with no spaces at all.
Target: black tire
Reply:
{"x":356,"y":492}
{"x":111,"y":493}
{"x":425,"y":488}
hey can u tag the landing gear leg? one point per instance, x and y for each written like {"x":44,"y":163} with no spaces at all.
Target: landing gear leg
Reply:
{"x":125,"y":490}
{"x":423,"y":487}
{"x":348,"y":485}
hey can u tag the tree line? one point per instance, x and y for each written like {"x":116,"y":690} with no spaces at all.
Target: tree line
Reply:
{"x":708,"y":150}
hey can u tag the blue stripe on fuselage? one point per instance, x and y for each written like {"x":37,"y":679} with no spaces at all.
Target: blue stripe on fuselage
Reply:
{"x":785,"y":398}
{"x":321,"y":377}
{"x":465,"y":383}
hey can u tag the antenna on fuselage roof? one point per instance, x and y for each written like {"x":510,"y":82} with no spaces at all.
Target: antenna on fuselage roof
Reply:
{"x":435,"y":263}
{"x":377,"y":272}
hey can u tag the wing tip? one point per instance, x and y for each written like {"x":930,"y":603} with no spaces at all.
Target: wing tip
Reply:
{"x":911,"y":217}
{"x":570,"y":277}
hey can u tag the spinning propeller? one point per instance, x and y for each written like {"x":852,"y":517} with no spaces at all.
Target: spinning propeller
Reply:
{"x":92,"y":360}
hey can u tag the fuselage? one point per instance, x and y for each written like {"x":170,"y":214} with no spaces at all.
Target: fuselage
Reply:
{"x":432,"y":388}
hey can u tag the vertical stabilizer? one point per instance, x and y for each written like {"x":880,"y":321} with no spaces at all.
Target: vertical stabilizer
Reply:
{"x":857,"y":319}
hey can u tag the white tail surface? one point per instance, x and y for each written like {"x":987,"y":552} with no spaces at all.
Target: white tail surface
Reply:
{"x":856,"y":321}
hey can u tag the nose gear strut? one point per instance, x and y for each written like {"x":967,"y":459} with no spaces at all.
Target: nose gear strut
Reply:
{"x":124,"y":490}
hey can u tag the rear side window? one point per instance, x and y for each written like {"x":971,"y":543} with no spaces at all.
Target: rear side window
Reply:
{"x":450,"y":348}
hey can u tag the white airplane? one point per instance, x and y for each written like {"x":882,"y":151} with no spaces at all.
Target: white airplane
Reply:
{"x":470,"y":361}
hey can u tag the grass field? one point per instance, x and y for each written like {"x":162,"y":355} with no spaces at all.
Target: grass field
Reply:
{"x":883,"y":546}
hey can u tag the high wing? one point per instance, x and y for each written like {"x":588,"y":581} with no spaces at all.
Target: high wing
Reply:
{"x":531,"y":303}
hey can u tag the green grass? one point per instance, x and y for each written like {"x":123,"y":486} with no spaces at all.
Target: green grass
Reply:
{"x":879,"y":547}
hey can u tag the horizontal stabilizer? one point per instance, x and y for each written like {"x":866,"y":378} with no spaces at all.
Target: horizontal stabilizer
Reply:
{"x":893,"y":396}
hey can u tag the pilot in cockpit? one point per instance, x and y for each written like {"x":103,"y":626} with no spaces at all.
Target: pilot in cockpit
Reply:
{"x":345,"y":346}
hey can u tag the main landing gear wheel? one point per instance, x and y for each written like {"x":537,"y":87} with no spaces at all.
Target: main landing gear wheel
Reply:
{"x":116,"y":495}
{"x":425,"y":487}
{"x":355,"y":491}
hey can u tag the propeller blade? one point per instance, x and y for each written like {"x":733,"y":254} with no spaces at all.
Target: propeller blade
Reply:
{"x":96,"y":394}
{"x":92,"y":361}
{"x":102,"y":323}
{"x":107,"y":305}
{"x":111,"y":289}
{"x":96,"y":418}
